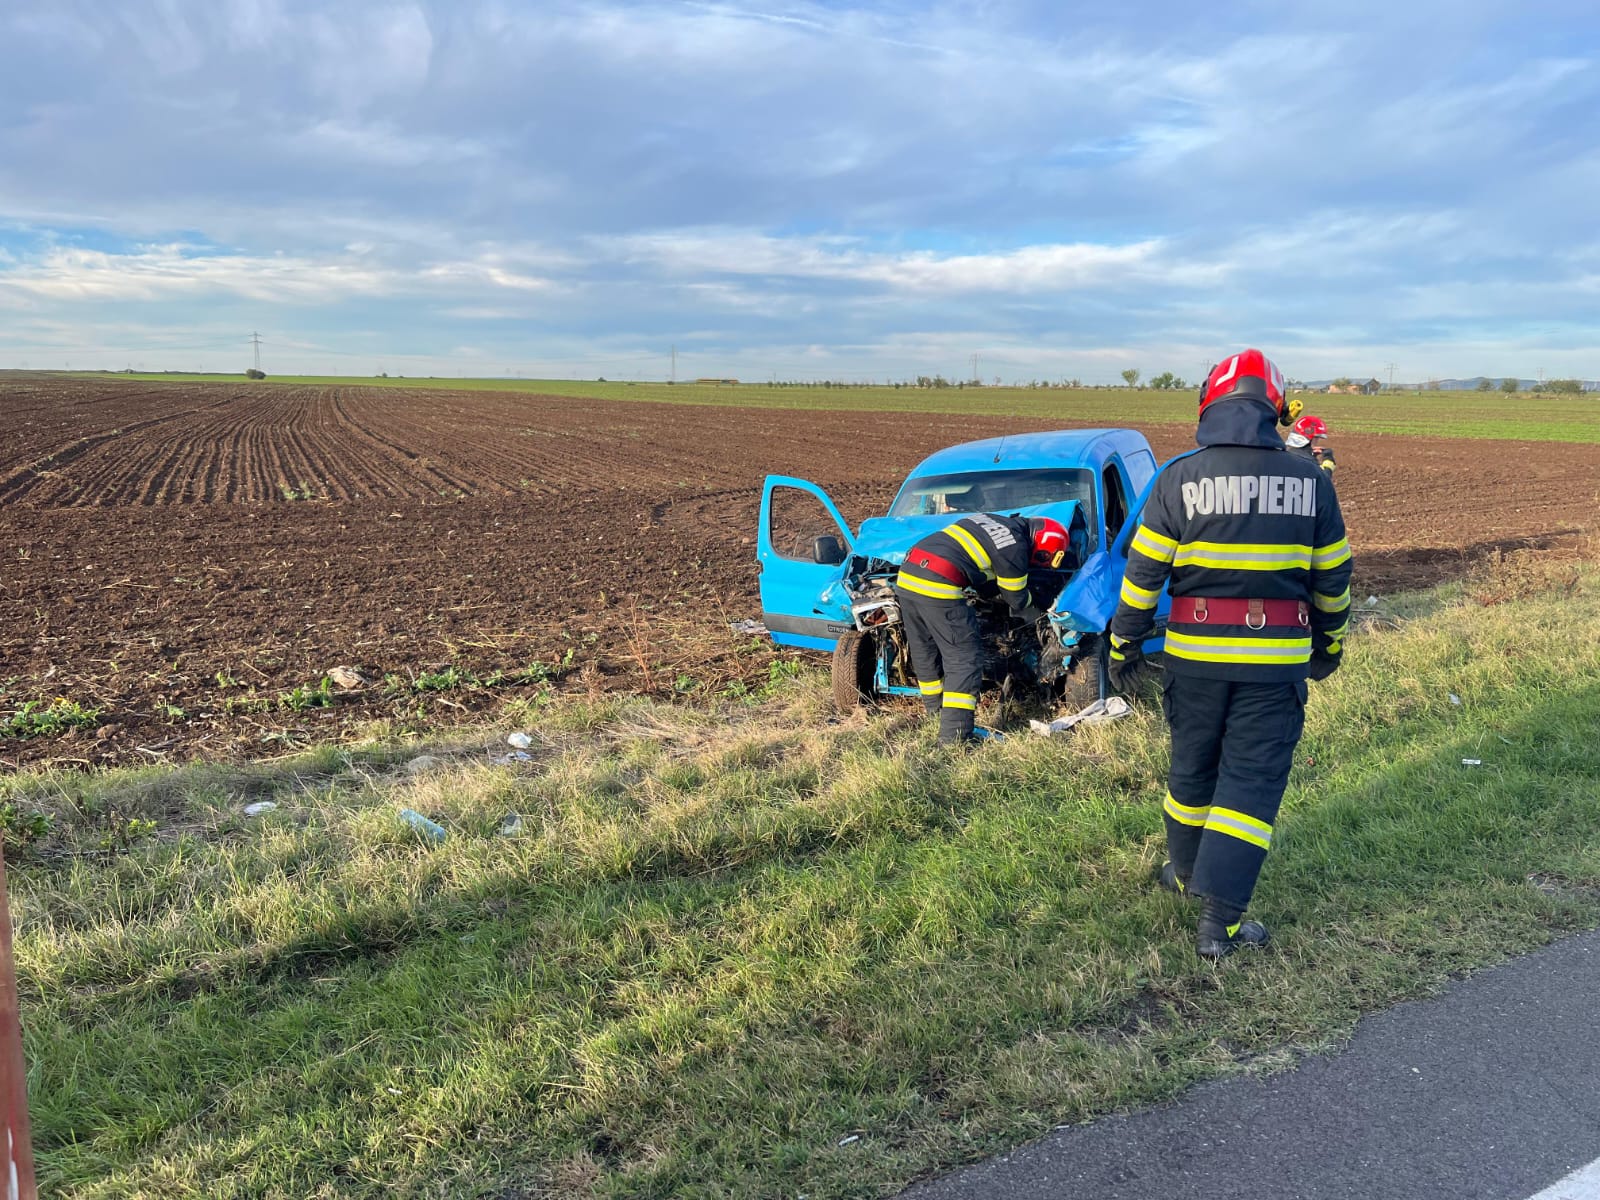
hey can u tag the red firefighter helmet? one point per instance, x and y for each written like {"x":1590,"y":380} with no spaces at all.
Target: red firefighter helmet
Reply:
{"x":1310,"y":427}
{"x":1050,"y":541}
{"x":1248,"y":373}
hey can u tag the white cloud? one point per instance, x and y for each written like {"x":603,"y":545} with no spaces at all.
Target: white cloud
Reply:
{"x":65,"y":274}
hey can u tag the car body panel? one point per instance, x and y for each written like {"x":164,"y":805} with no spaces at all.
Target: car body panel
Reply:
{"x":794,"y":606}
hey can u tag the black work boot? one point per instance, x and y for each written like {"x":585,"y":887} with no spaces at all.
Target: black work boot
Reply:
{"x":1222,"y":930}
{"x":932,"y":705}
{"x":1168,"y":879}
{"x":955,"y":726}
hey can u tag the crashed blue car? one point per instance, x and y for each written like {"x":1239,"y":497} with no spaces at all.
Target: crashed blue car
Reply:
{"x":826,"y":588}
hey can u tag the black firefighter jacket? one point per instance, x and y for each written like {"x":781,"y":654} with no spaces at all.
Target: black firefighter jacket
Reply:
{"x":1240,"y":518}
{"x":991,"y":551}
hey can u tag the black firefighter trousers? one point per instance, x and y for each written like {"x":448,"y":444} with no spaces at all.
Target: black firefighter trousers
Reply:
{"x":1232,"y":746}
{"x":947,"y":655}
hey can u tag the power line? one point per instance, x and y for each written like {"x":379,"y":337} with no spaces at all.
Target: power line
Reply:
{"x":255,"y":340}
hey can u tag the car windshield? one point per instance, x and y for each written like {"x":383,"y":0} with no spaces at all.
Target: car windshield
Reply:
{"x":995,"y":491}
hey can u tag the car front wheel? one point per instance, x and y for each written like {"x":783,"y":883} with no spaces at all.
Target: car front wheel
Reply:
{"x":855,"y":664}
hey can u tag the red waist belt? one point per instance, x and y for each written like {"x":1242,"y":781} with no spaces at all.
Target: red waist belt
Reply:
{"x":1257,"y":614}
{"x":942,"y":567}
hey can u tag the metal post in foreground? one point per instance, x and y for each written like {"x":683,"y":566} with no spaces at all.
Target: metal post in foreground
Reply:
{"x":18,"y":1164}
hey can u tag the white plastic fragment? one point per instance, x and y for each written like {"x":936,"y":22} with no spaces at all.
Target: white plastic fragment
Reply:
{"x":259,"y":807}
{"x":1472,"y":762}
{"x":511,"y":826}
{"x":854,"y":1137}
{"x":1455,"y":699}
{"x":1372,"y":602}
{"x":520,"y":740}
{"x":1108,"y":709}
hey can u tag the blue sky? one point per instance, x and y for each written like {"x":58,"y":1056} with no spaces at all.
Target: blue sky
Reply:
{"x":846,"y":190}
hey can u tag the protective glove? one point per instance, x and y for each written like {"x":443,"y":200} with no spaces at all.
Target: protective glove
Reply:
{"x":1126,"y":667}
{"x":1324,"y":664}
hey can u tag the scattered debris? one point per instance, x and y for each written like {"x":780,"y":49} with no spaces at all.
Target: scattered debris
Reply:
{"x":511,"y":825}
{"x":1108,"y":709}
{"x":1455,"y":699}
{"x":854,"y":1137}
{"x":516,"y":756}
{"x":1472,"y":762}
{"x":520,"y":740}
{"x":429,"y":829}
{"x":259,"y":807}
{"x":987,"y":735}
{"x":421,"y":763}
{"x":747,"y":625}
{"x":1372,"y":602}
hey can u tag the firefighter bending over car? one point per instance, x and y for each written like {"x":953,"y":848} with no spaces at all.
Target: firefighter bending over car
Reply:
{"x":1249,"y":540}
{"x":991,"y":554}
{"x":1309,"y":439}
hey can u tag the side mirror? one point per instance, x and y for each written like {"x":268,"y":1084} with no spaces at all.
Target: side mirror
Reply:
{"x":827,"y":550}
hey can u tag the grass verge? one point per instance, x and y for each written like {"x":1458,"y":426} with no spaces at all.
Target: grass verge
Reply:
{"x":751,"y":951}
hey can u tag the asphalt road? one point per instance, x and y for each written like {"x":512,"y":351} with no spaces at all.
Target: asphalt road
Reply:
{"x":1488,"y":1092}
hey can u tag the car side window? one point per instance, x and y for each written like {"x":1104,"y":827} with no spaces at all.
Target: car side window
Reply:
{"x":1116,"y":500}
{"x":1141,"y":468}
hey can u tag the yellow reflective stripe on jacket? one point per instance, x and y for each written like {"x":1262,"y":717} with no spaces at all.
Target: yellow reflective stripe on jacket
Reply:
{"x":1331,"y":604}
{"x":1243,"y":556}
{"x":1137,"y":596}
{"x":1324,"y":557}
{"x":1153,"y":545}
{"x":928,"y":587}
{"x":931,"y":689}
{"x":1240,"y":825}
{"x":1012,"y":583}
{"x":1261,"y":651}
{"x":960,"y":700}
{"x":1183,"y":813}
{"x":971,"y":545}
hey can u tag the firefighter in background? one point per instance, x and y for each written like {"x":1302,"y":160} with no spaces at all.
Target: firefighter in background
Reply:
{"x":990,"y":554}
{"x":1308,"y":438}
{"x":1249,"y":540}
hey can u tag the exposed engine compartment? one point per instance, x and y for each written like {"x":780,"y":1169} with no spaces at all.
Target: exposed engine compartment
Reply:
{"x":1015,"y":654}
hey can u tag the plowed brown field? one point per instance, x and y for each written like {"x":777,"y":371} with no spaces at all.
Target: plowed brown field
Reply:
{"x":205,"y":548}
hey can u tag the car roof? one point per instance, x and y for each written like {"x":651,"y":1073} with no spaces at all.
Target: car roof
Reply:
{"x":1024,"y":451}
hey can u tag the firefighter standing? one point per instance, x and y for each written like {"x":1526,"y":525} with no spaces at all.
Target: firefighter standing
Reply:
{"x":990,"y":554}
{"x":1309,"y":439}
{"x":1249,"y":540}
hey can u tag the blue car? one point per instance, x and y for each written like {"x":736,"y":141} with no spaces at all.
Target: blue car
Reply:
{"x":826,"y":588}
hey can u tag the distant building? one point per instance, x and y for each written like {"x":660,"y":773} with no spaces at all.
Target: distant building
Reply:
{"x":1370,"y":388}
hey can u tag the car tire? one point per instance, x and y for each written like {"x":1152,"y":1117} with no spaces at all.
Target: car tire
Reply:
{"x":1089,"y":680}
{"x":854,"y":666}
